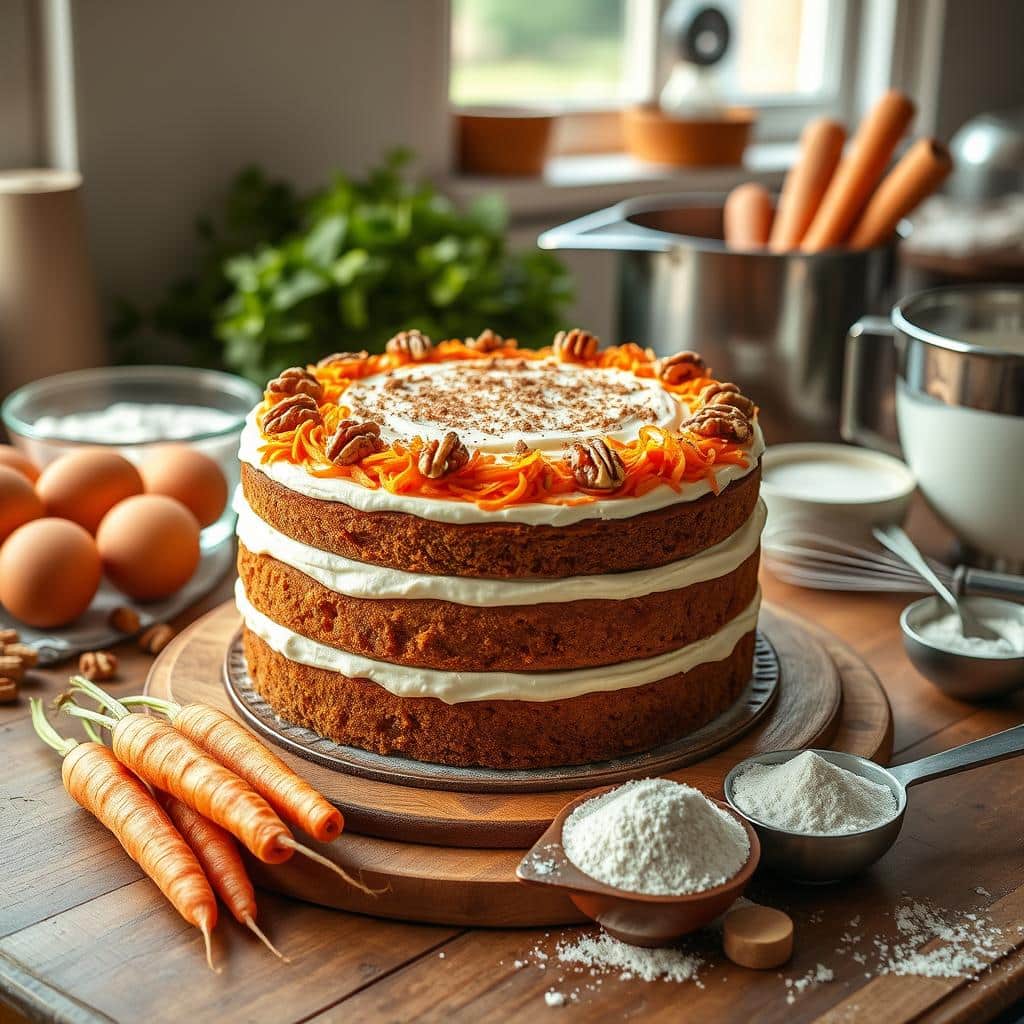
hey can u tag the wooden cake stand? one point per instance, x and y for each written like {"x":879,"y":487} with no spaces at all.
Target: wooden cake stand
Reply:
{"x":449,"y":857}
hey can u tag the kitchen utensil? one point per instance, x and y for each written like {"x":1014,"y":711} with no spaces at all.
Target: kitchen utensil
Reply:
{"x":988,"y":151}
{"x":49,"y":312}
{"x":28,"y":415}
{"x":773,"y":322}
{"x":826,"y":858}
{"x":957,"y":673}
{"x":640,"y":919}
{"x":897,"y":541}
{"x":844,"y":487}
{"x":959,"y":399}
{"x":799,"y":555}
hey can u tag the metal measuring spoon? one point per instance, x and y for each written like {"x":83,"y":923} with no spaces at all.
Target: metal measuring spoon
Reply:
{"x":896,"y":540}
{"x":818,"y":858}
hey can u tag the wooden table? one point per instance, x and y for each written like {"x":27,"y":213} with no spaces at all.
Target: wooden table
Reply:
{"x":84,"y":937}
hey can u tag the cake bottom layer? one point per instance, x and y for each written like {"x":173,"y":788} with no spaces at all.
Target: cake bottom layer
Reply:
{"x":506,"y":734}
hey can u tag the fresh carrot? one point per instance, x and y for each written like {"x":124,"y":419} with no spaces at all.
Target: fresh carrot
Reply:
{"x":216,"y":851}
{"x":160,"y":755}
{"x":294,"y":799}
{"x":96,"y":780}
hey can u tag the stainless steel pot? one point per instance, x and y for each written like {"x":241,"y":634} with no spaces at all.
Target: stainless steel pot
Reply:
{"x":775,"y":323}
{"x":958,"y":390}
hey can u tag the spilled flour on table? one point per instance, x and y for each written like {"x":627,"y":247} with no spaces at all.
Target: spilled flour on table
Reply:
{"x":604,"y":954}
{"x":812,"y":979}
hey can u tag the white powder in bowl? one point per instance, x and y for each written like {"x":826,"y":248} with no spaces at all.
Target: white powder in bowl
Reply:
{"x":811,"y":795}
{"x":657,"y":837}
{"x":947,"y":632}
{"x":136,"y":423}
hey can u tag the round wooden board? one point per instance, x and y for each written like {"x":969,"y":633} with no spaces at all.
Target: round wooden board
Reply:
{"x":474,"y":885}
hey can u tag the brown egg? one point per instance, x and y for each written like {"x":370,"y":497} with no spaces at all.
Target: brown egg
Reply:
{"x":13,"y":459}
{"x":19,"y":502}
{"x":149,"y":545}
{"x":84,"y":486}
{"x":195,"y":479}
{"x":49,"y":572}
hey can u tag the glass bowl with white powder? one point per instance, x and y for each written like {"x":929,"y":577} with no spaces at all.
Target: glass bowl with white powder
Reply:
{"x":650,"y":860}
{"x":131,"y":409}
{"x":968,"y":668}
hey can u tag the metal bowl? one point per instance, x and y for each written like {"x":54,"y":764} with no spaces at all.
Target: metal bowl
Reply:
{"x":964,"y":676}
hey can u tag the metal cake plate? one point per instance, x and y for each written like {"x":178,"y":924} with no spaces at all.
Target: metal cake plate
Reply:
{"x":751,"y":706}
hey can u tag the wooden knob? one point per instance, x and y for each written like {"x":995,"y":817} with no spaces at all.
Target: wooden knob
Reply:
{"x":758,"y":937}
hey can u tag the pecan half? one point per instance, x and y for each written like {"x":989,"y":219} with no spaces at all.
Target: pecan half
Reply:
{"x":521,"y":447}
{"x":439,"y":458}
{"x":290,"y":413}
{"x":11,"y":667}
{"x":353,"y":441}
{"x":412,"y":345}
{"x":156,"y":638}
{"x":124,"y":619}
{"x":98,"y":665}
{"x":720,"y":421}
{"x":596,"y":466}
{"x":681,"y":367}
{"x":296,"y":381}
{"x":8,"y":636}
{"x":575,"y":346}
{"x":8,"y":690}
{"x":28,"y":656}
{"x":342,"y":357}
{"x":728,"y":395}
{"x":488,"y":341}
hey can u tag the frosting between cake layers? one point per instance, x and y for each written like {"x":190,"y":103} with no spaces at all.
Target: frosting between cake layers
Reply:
{"x":297,"y":478}
{"x":460,"y":687}
{"x":363,"y":580}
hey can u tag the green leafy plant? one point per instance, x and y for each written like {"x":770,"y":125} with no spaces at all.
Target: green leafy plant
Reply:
{"x":283,"y":281}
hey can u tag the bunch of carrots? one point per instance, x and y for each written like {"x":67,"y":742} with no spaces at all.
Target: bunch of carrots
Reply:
{"x":177,"y":791}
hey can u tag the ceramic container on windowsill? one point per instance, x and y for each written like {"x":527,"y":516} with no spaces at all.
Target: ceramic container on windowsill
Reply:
{"x":503,"y":141}
{"x":698,"y":141}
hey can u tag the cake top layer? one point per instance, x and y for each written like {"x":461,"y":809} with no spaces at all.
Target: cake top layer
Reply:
{"x":485,"y":423}
{"x":496,"y":403}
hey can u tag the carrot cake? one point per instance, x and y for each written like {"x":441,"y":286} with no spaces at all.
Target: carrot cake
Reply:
{"x":474,"y":554}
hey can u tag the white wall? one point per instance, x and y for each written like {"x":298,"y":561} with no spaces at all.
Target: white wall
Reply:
{"x":18,"y":92}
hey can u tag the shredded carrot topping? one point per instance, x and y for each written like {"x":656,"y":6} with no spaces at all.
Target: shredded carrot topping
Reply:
{"x":656,"y":457}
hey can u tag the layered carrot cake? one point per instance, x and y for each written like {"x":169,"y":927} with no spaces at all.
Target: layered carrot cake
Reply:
{"x":474,"y":554}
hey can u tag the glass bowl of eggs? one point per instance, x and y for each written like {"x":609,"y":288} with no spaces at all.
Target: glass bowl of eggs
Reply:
{"x":139,"y":412}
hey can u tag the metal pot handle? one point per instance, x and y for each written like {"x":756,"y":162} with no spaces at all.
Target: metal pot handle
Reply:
{"x":851,"y":424}
{"x":607,"y":229}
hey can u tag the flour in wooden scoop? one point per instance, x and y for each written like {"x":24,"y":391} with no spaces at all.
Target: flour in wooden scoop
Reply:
{"x":657,"y":837}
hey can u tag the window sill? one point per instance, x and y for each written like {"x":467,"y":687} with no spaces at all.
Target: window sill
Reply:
{"x":572,"y":183}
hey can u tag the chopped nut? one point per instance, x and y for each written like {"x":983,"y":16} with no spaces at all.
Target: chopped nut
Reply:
{"x":488,"y":341}
{"x":521,"y":447}
{"x":124,"y":619}
{"x":596,"y":466}
{"x":296,"y":381}
{"x":98,"y":666}
{"x":11,"y":667}
{"x":8,"y":690}
{"x":575,"y":346}
{"x":728,"y":395}
{"x":28,"y":656}
{"x":353,"y":441}
{"x":156,"y":638}
{"x":290,"y":413}
{"x":439,"y":458}
{"x":343,"y":357}
{"x":681,"y":367}
{"x":8,"y":636}
{"x":412,"y":345}
{"x":720,"y":421}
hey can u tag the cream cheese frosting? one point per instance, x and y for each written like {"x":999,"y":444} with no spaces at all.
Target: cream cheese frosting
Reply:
{"x":363,"y":580}
{"x":460,"y":687}
{"x":296,"y":478}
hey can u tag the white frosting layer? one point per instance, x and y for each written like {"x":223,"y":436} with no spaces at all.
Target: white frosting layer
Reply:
{"x":360,"y":579}
{"x":459,"y":687}
{"x":295,"y":478}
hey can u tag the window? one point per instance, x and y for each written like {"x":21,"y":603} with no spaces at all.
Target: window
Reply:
{"x":787,"y":57}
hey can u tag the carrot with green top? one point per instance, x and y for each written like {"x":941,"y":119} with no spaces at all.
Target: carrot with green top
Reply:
{"x":96,"y":780}
{"x":161,"y":756}
{"x":294,"y":799}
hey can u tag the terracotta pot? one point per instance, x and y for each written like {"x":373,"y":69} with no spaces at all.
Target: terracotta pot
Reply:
{"x":687,"y":142}
{"x":510,"y":141}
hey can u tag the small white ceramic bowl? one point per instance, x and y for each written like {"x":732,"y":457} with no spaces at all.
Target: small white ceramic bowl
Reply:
{"x":835,"y":485}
